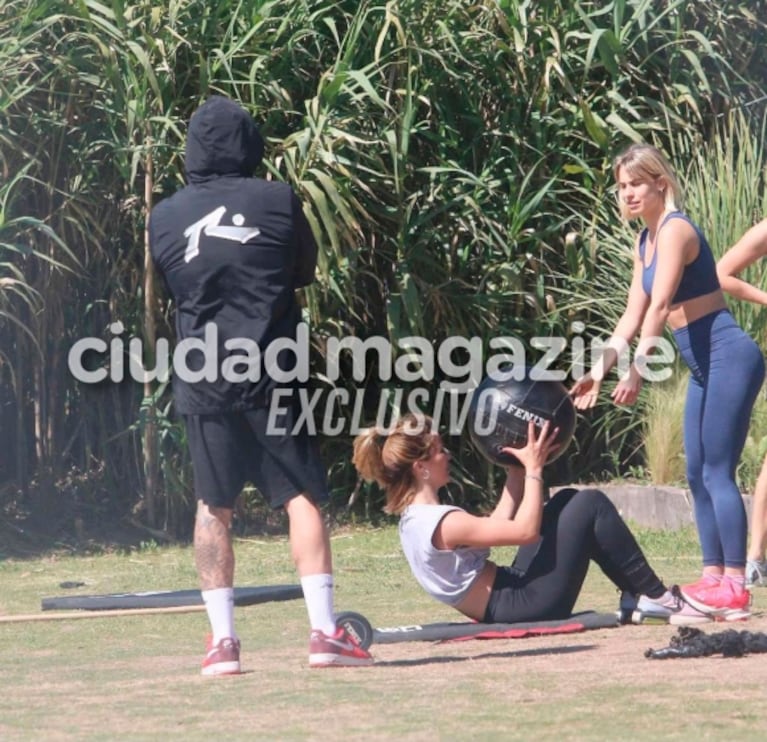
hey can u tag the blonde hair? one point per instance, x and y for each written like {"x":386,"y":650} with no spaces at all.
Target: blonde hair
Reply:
{"x":648,"y":163}
{"x":388,"y":458}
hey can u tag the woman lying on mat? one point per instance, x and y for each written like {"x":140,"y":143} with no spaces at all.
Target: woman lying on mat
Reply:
{"x":448,"y":549}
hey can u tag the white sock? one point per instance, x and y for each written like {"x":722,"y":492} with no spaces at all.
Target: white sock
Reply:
{"x":318,"y":594}
{"x":219,"y":604}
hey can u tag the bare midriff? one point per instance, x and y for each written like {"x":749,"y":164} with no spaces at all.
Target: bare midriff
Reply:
{"x":688,"y":311}
{"x":475,"y":602}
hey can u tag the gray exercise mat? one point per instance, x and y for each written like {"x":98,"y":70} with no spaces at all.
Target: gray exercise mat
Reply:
{"x":169,"y":598}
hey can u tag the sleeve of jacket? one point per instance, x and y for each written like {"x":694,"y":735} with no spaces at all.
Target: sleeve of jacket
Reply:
{"x":306,"y":246}
{"x":154,"y":249}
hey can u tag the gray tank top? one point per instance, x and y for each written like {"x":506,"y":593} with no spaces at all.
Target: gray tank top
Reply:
{"x":446,"y":575}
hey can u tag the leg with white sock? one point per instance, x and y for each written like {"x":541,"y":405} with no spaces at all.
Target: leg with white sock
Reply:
{"x":310,"y":545}
{"x":219,"y":604}
{"x":214,"y":559}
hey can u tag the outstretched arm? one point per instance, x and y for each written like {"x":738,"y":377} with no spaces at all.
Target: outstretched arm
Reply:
{"x":676,"y":243}
{"x":747,"y":250}
{"x":585,"y":391}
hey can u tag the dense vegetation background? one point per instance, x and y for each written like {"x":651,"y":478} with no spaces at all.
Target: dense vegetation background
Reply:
{"x":453,"y":159}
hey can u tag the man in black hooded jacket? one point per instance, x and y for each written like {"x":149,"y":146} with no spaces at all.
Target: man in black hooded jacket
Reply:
{"x":232,"y":250}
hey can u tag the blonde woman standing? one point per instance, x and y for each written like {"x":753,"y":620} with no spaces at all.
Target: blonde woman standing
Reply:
{"x":675,"y":283}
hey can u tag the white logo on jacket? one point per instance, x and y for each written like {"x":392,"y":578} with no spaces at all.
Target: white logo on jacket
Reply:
{"x":210,"y":225}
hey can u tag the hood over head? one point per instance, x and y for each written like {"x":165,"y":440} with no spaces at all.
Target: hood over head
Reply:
{"x":223,"y":139}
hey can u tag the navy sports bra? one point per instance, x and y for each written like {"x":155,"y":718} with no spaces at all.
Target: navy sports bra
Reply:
{"x":698,"y":278}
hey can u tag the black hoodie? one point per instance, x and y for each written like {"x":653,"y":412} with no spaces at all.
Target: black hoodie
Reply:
{"x":232,"y":250}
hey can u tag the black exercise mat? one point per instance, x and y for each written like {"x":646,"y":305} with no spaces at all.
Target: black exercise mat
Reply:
{"x":169,"y":598}
{"x":475,"y":630}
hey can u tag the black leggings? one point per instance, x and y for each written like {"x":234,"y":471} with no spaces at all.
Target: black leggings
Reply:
{"x":546,"y":577}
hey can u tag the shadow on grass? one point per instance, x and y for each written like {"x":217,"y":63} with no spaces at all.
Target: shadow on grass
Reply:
{"x":36,"y":535}
{"x":541,"y":651}
{"x":31,"y":534}
{"x":33,"y":538}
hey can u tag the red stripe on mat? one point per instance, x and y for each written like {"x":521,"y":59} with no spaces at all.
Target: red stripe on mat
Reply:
{"x":568,"y":628}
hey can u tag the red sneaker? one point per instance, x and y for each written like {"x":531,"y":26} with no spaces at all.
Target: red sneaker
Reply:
{"x":223,"y":658}
{"x":724,"y":601}
{"x":705,"y":582}
{"x":338,"y":650}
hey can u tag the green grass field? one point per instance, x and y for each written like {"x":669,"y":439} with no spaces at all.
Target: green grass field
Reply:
{"x":137,"y":678}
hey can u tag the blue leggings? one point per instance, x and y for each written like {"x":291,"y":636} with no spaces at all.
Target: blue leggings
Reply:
{"x":726,"y":373}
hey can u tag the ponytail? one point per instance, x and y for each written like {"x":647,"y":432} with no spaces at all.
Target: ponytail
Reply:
{"x":367,"y":456}
{"x":388,"y":459}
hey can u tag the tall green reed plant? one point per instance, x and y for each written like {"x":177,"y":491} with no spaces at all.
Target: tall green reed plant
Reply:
{"x":725,"y":182}
{"x":662,"y":430}
{"x":444,"y":150}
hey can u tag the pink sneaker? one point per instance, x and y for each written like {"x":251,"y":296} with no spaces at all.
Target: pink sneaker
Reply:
{"x":724,"y":601}
{"x":338,"y":650}
{"x":705,"y":582}
{"x":222,"y":659}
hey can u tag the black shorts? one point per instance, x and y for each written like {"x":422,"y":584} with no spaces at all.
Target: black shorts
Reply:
{"x":230,"y":449}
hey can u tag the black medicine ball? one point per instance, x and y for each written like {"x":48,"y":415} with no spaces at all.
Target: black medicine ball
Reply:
{"x":501,"y":408}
